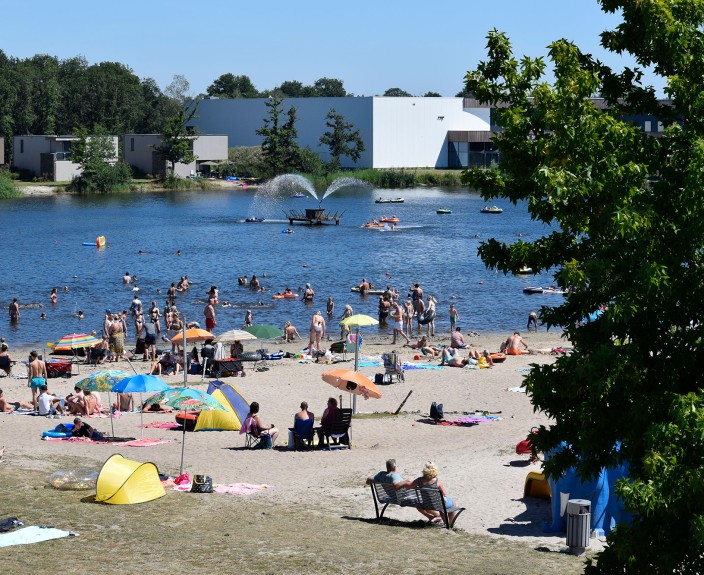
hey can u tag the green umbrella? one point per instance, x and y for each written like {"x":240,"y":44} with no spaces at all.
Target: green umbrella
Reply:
{"x":264,"y":331}
{"x":183,"y":398}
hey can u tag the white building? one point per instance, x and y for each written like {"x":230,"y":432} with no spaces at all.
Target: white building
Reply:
{"x":397,"y":132}
{"x":139,"y":152}
{"x":49,"y":157}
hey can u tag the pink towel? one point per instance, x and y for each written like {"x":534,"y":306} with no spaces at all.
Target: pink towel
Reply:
{"x":163,"y":425}
{"x":146,"y":442}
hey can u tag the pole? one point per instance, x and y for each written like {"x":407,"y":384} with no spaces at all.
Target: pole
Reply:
{"x":183,"y":442}
{"x":403,"y":403}
{"x":356,"y":366}
{"x":112,"y":426}
{"x":185,"y":367}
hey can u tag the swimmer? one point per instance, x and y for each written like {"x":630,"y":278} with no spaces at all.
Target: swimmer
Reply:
{"x":141,"y":252}
{"x":127,"y":278}
{"x":66,"y":287}
{"x":42,"y":316}
{"x":80,"y":315}
{"x":178,"y":252}
{"x":53,"y":295}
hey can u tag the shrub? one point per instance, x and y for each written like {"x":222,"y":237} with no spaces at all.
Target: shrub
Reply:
{"x":8,"y":189}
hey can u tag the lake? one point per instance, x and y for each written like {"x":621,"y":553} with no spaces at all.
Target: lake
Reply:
{"x":42,"y":239}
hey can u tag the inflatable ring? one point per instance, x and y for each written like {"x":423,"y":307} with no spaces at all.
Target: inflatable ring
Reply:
{"x":74,"y":479}
{"x":54,"y":433}
{"x":426,"y":317}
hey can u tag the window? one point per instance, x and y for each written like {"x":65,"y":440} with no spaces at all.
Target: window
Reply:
{"x":21,"y":146}
{"x":131,"y":144}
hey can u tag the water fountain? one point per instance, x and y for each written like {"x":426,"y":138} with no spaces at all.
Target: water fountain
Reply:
{"x":289,"y":185}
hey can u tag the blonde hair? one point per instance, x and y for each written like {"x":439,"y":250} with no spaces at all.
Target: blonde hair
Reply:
{"x":430,"y":470}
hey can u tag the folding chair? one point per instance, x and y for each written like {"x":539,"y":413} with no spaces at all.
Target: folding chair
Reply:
{"x":393,"y":366}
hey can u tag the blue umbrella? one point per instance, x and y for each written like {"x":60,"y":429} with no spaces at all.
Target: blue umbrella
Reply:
{"x":140,"y":383}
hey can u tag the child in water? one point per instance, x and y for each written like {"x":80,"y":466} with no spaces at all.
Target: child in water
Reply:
{"x":248,"y":318}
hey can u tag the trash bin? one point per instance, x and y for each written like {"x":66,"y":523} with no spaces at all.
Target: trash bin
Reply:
{"x":578,"y":525}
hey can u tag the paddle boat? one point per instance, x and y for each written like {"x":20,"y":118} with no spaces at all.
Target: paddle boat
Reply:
{"x":443,"y":211}
{"x":373,"y":224}
{"x":389,"y":201}
{"x":491,"y":210}
{"x":298,"y":195}
{"x":391,"y":220}
{"x":254,"y":220}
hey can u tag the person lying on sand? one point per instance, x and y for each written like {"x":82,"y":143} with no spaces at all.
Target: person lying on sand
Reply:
{"x":10,"y":406}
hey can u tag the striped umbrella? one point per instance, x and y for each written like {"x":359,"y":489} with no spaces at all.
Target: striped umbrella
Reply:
{"x":76,"y":341}
{"x":103,"y":380}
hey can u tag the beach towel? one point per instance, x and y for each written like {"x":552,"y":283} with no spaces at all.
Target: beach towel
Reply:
{"x":126,"y":441}
{"x":407,"y":365}
{"x":163,"y":425}
{"x":468,"y":421}
{"x":33,"y":534}
{"x":232,"y":488}
{"x":369,"y":363}
{"x":518,"y":389}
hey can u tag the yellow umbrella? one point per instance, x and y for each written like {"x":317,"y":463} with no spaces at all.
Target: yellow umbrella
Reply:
{"x":359,"y":320}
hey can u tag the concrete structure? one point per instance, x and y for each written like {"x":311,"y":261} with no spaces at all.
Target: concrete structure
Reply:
{"x":49,"y":157}
{"x":397,"y":132}
{"x":138,"y":151}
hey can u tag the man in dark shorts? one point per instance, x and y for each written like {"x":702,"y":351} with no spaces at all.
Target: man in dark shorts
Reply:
{"x":151,"y":331}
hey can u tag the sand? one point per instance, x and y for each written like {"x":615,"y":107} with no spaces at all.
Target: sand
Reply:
{"x":478,"y":464}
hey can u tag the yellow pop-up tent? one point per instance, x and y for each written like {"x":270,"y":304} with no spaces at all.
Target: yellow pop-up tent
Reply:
{"x":123,"y":482}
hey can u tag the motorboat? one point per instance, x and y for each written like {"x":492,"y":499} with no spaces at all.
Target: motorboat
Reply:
{"x":525,"y":270}
{"x":391,"y":220}
{"x":532,"y":290}
{"x":374,"y":224}
{"x":389,"y":201}
{"x":254,"y":220}
{"x":443,"y":211}
{"x":298,"y":195}
{"x":491,"y":210}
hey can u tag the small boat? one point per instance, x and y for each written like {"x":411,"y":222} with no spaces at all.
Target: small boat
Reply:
{"x":391,"y":220}
{"x":254,"y":220}
{"x":532,"y":290}
{"x":525,"y":270}
{"x":389,"y":201}
{"x":443,"y":211}
{"x":491,"y":210}
{"x":298,"y":195}
{"x":373,"y":224}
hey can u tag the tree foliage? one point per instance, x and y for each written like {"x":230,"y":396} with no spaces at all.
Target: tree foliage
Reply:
{"x":279,"y":145}
{"x":397,"y":93}
{"x":176,"y":144}
{"x":97,"y":154}
{"x":625,"y":229}
{"x":231,"y":86}
{"x":342,"y":139}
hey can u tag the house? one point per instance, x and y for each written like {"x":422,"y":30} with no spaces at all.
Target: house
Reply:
{"x":2,"y":150}
{"x":139,"y":152}
{"x":49,"y":157}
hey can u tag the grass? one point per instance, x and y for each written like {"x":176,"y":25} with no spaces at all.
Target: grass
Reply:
{"x":213,"y":534}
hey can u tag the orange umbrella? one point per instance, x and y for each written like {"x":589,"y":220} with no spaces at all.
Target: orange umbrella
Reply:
{"x":192,"y":335}
{"x":352,"y":381}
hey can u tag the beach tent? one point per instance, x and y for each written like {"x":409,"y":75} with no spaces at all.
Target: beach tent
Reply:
{"x":235,"y":405}
{"x":123,"y":482}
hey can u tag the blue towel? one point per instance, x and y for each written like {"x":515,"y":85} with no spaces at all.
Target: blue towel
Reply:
{"x":407,"y":365}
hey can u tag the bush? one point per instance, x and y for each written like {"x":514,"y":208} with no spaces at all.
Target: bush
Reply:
{"x":102,"y":177}
{"x":8,"y":189}
{"x":244,"y":162}
{"x":173,"y":182}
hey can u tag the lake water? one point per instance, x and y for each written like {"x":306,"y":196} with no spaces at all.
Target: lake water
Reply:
{"x":42,"y":246}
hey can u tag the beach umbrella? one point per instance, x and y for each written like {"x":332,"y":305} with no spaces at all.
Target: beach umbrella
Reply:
{"x":103,"y":381}
{"x":140,"y":383}
{"x":74,"y":341}
{"x":193,"y":335}
{"x":186,"y":398}
{"x":234,"y":335}
{"x":264,"y":331}
{"x":353,"y":382}
{"x":357,"y":321}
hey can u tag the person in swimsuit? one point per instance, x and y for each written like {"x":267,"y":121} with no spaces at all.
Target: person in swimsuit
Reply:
{"x":532,"y":321}
{"x":364,"y":287}
{"x":345,"y":314}
{"x":259,"y":426}
{"x":454,"y":316}
{"x":430,"y":311}
{"x":53,"y":297}
{"x":290,"y":332}
{"x":14,"y":311}
{"x":408,"y":315}
{"x":397,"y":316}
{"x":308,"y":294}
{"x":36,"y":377}
{"x":254,"y":284}
{"x":330,"y":307}
{"x":10,"y":406}
{"x":383,"y":310}
{"x":248,"y":319}
{"x":317,"y":332}
{"x":209,"y":313}
{"x":510,"y":346}
{"x":430,"y":478}
{"x":117,"y":339}
{"x":171,"y":294}
{"x":5,"y":359}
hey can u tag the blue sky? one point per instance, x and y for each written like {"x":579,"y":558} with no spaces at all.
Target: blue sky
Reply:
{"x":370,"y":45}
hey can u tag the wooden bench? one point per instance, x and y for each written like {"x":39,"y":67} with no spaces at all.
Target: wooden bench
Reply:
{"x":429,"y":498}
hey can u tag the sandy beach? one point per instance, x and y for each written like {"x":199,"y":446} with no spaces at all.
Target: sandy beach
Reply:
{"x":478,"y":464}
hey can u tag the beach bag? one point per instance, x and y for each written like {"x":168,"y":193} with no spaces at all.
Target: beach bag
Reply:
{"x":265,"y":442}
{"x":436,"y":412}
{"x":202,"y":484}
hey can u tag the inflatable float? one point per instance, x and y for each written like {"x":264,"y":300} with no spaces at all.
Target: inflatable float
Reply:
{"x":426,"y":317}
{"x":369,"y":291}
{"x":498,"y":357}
{"x":99,"y":242}
{"x":187,"y":419}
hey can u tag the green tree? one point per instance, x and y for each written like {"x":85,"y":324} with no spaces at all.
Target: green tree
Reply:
{"x":176,"y":140}
{"x":397,"y":93}
{"x":432,"y":95}
{"x":279,"y":138}
{"x":292,"y":89}
{"x":97,"y":155}
{"x":329,"y":88}
{"x":626,"y":230}
{"x":231,"y":86}
{"x":342,"y":139}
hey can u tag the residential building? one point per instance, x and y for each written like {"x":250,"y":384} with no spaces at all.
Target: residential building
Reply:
{"x":49,"y":157}
{"x":139,"y":152}
{"x":2,"y":150}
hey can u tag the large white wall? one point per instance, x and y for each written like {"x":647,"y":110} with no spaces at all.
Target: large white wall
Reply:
{"x":412,"y":132}
{"x":397,"y":132}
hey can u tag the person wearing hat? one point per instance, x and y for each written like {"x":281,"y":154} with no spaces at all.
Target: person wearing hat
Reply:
{"x":308,"y":294}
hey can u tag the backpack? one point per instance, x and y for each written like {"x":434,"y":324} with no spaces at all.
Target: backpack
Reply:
{"x":436,"y":412}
